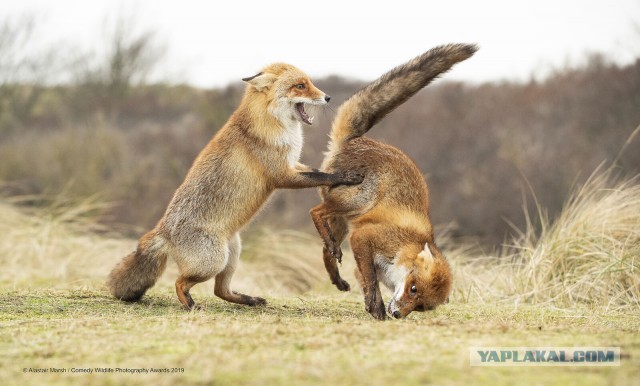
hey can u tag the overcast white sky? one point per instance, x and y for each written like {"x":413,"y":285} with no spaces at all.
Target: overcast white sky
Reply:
{"x":211,"y":43}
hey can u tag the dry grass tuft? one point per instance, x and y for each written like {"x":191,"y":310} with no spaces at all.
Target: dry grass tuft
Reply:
{"x":589,"y":254}
{"x":55,"y":247}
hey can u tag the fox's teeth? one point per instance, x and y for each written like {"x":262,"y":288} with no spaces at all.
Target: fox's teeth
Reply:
{"x":311,"y":119}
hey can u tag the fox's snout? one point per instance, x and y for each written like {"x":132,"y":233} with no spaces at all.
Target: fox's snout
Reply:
{"x":394,"y":309}
{"x":323,"y":99}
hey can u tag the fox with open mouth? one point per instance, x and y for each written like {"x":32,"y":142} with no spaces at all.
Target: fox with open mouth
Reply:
{"x":254,"y":153}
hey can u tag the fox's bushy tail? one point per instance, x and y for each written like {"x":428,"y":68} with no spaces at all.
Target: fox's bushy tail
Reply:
{"x":368,"y":106}
{"x":139,"y":270}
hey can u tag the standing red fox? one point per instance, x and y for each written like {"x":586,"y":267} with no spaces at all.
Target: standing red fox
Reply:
{"x":253,"y":154}
{"x":388,"y":214}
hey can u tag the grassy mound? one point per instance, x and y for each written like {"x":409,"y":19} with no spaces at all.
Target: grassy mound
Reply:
{"x":589,"y":254}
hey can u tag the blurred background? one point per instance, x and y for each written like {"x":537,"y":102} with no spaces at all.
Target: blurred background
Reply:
{"x":111,"y":101}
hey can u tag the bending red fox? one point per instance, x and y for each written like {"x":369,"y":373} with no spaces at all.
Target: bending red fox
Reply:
{"x":388,"y":213}
{"x":255,"y":152}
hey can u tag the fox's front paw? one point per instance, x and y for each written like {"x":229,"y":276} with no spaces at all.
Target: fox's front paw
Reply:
{"x":377,"y":311}
{"x":375,"y":306}
{"x":350,"y":178}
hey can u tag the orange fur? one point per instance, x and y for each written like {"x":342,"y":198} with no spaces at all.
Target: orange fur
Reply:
{"x":388,"y":214}
{"x":256,"y":152}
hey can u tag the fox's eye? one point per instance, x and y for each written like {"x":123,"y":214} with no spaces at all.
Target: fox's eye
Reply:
{"x":414,"y":289}
{"x":300,"y":86}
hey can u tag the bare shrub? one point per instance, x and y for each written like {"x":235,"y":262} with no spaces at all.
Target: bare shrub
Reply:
{"x":105,"y":81}
{"x":23,"y":74}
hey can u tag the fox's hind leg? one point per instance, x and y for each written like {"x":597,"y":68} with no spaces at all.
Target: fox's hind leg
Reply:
{"x":339,"y":228}
{"x":223,"y":279}
{"x":321,"y":216}
{"x":330,"y":219}
{"x":199,"y":256}
{"x":333,"y":229}
{"x":183,"y":285}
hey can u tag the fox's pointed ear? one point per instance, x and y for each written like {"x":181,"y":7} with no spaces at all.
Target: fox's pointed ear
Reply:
{"x":426,"y":255}
{"x":260,"y":80}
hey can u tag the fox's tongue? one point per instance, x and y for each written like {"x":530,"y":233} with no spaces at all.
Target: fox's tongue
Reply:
{"x":303,"y":114}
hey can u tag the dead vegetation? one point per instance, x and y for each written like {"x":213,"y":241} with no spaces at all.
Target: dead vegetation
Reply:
{"x":587,"y":255}
{"x":97,"y":125}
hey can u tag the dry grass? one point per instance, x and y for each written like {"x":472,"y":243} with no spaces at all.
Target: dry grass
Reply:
{"x":63,"y":246}
{"x":55,"y":247}
{"x":588,"y":255}
{"x":578,"y":275}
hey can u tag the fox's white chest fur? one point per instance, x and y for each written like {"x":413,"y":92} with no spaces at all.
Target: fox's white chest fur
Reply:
{"x":291,"y":134}
{"x":391,"y":275}
{"x":291,"y":137}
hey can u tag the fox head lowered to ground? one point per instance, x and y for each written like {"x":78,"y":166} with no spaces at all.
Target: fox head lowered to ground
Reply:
{"x":424,"y":283}
{"x":388,"y":214}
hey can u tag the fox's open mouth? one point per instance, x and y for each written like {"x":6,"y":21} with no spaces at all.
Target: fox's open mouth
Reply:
{"x":303,"y":114}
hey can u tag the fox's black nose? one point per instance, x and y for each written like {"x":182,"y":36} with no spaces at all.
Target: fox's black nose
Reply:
{"x":396,"y":314}
{"x":327,"y":98}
